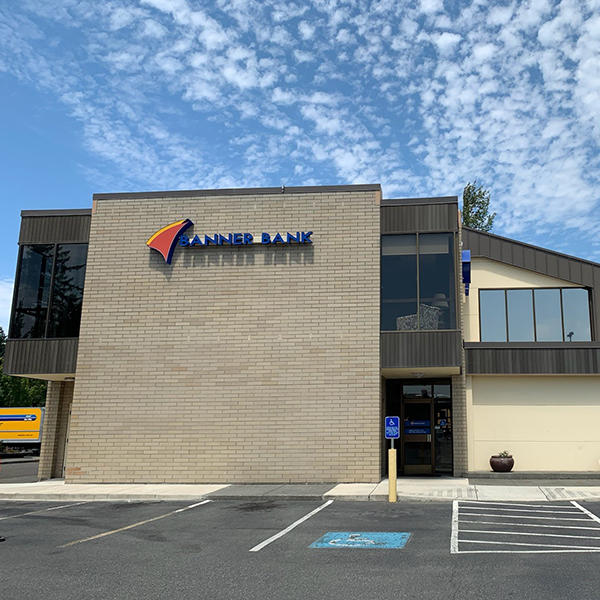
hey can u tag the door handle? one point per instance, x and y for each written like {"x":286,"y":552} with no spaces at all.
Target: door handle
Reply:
{"x":428,"y":437}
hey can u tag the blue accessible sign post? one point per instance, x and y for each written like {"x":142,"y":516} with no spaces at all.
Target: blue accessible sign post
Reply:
{"x":392,"y":432}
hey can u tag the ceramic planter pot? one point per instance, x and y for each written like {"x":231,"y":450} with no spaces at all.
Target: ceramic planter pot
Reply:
{"x":502,"y":464}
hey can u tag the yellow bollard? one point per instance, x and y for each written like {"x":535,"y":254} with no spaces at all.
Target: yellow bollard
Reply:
{"x":393,"y":494}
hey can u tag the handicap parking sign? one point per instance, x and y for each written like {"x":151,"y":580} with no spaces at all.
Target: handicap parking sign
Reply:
{"x":392,"y":428}
{"x":362,"y":539}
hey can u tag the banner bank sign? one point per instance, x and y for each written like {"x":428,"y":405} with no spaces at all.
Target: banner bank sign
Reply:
{"x":166,"y":239}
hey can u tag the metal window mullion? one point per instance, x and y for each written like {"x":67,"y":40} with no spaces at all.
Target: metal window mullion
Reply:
{"x":533,"y":315}
{"x":51,"y":290}
{"x":418,"y":257}
{"x":562,"y":315}
{"x":506,"y":313}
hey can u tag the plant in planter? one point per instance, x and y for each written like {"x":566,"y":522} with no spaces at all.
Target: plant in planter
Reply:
{"x":502,"y":462}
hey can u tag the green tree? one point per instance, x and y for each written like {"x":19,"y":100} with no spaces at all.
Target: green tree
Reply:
{"x":476,"y":207}
{"x":19,"y":391}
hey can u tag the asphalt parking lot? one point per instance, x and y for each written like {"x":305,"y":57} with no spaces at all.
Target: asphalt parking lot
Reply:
{"x":260,"y":550}
{"x":18,"y":470}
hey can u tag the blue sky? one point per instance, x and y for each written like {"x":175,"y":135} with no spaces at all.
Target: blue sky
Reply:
{"x":422,"y":97}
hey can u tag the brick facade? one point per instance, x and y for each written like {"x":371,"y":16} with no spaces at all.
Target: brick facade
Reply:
{"x":55,"y":429}
{"x":238,"y":364}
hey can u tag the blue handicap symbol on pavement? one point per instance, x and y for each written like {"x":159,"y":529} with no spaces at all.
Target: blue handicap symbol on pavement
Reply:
{"x":362,"y":539}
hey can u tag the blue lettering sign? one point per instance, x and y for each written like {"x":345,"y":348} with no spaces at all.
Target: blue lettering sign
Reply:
{"x":184,"y":240}
{"x":248,"y":238}
{"x":306,"y":237}
{"x":265,"y":238}
{"x":196,"y":241}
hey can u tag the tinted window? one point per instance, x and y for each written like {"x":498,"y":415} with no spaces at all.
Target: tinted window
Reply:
{"x":548,"y":322}
{"x":436,"y":281}
{"x":398,"y":282}
{"x":492,"y":311}
{"x":416,"y":391}
{"x":520,"y":315}
{"x":33,"y":291}
{"x":576,"y":315}
{"x":67,"y":290}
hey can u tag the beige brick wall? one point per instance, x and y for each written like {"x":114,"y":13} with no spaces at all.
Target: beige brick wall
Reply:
{"x":247,"y":364}
{"x":54,"y":436}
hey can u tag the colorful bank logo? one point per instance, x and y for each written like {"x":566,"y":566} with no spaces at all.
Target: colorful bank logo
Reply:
{"x":165,"y":239}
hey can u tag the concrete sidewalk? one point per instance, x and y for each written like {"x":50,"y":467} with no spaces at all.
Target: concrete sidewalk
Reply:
{"x":409,"y":488}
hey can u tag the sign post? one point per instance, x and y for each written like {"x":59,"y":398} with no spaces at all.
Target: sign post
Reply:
{"x":392,"y":432}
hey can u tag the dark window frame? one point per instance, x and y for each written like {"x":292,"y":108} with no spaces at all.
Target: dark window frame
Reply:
{"x":455,"y":253}
{"x":562,"y":316}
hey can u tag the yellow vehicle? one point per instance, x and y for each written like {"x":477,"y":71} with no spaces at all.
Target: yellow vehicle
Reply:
{"x":21,"y":428}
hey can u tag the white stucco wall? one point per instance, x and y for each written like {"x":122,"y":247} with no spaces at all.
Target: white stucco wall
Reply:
{"x":549,"y":423}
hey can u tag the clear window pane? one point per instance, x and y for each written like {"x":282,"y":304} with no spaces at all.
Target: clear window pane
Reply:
{"x":576,"y":315}
{"x":436,"y":281}
{"x":520,"y":315}
{"x":492,"y":312}
{"x":67,"y":290}
{"x":398,"y":282}
{"x":31,"y":306}
{"x":548,"y":322}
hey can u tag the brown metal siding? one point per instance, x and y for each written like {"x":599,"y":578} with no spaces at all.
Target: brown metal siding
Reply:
{"x":581,"y":272}
{"x":53,"y":229}
{"x":409,"y":218}
{"x":576,"y":359}
{"x":420,"y":349}
{"x":40,"y":356}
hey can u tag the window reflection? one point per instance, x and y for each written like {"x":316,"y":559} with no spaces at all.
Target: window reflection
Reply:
{"x":541,"y":314}
{"x":436,"y":281}
{"x":520,"y":315}
{"x":49,"y":291}
{"x":67,"y":290}
{"x":548,"y":322}
{"x":417,"y":282}
{"x":416,"y":391}
{"x":492,"y":310}
{"x":576,"y":315}
{"x":33,"y":291}
{"x":398,"y":282}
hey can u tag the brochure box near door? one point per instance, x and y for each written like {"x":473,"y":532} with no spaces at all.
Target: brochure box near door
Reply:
{"x":23,"y":425}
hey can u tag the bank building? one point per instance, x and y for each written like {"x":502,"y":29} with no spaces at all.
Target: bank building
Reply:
{"x":262,"y":335}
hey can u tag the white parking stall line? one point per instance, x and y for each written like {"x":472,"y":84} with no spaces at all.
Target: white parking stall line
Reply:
{"x":530,"y":525}
{"x":586,"y":511}
{"x":290,"y":527}
{"x":41,"y":510}
{"x":133,"y":525}
{"x":466,"y":503}
{"x":558,"y":535}
{"x":553,"y":512}
{"x":532,"y":545}
{"x":521,"y":517}
{"x":477,"y":525}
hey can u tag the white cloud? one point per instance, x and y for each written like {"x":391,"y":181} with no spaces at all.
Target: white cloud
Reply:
{"x":432,"y":6}
{"x":306,"y":30}
{"x":446,"y":42}
{"x":249,"y":92}
{"x":6,"y":290}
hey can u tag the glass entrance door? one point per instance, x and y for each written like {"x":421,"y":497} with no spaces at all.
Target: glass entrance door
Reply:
{"x":418,"y":452}
{"x":425,"y":411}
